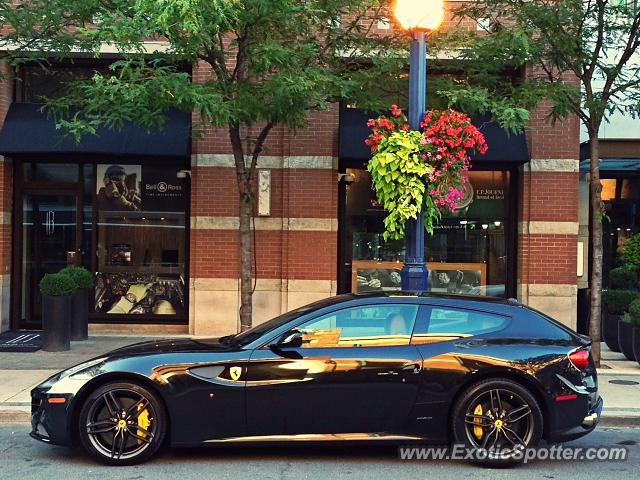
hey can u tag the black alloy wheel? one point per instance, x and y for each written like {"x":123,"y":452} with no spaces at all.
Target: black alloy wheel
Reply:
{"x":122,"y":424}
{"x":499,"y":417}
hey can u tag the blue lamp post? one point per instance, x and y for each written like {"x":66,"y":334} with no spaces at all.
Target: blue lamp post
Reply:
{"x":418,"y":17}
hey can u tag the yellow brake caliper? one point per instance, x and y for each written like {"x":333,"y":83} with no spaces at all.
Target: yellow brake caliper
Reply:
{"x":143,"y":422}
{"x":477,"y":431}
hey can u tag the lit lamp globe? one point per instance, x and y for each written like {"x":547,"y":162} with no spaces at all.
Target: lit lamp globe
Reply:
{"x":419,"y":14}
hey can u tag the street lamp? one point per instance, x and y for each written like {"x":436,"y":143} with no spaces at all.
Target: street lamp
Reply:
{"x":419,"y":17}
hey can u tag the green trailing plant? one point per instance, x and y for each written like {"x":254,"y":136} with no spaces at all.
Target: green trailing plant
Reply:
{"x":80,"y":275}
{"x":56,"y":285}
{"x":630,"y":254}
{"x":617,"y":302}
{"x":414,"y":171}
{"x":634,"y":312}
{"x":622,"y":278}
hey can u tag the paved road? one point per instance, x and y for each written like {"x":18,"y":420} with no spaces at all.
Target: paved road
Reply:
{"x":21,"y":457}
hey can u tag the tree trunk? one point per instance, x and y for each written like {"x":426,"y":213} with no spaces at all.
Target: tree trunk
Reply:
{"x":243,"y":176}
{"x":595,"y":197}
{"x":246,"y":256}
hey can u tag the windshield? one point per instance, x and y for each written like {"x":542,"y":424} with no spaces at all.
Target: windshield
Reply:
{"x":251,"y":335}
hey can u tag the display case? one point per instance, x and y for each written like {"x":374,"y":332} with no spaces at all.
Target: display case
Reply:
{"x":371,"y":275}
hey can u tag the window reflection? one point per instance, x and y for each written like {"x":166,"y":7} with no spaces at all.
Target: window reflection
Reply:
{"x":467,"y":252}
{"x":361,"y":326}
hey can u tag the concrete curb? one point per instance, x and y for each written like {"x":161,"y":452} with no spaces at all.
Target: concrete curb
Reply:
{"x":618,"y":373}
{"x":15,"y":416}
{"x":623,"y":421}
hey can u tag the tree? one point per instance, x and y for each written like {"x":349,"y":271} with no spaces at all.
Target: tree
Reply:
{"x":271,"y":63}
{"x":582,"y":58}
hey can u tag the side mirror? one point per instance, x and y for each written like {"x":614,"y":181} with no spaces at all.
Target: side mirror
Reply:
{"x":289,"y":340}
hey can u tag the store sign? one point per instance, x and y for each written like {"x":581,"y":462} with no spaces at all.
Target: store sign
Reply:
{"x":138,"y":188}
{"x":484,"y":197}
{"x":162,"y":190}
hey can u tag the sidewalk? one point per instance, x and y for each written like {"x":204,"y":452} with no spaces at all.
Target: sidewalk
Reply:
{"x":19,"y":372}
{"x":618,"y":379}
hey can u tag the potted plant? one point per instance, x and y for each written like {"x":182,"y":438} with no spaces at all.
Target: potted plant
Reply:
{"x":623,"y":278}
{"x":634,"y":316}
{"x":56,"y":290}
{"x":614,"y":304}
{"x":80,"y":301}
{"x":625,"y":336}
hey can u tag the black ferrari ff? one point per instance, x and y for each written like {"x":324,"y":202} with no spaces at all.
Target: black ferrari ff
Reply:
{"x":484,"y":372}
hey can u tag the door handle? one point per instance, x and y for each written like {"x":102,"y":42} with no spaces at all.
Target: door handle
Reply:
{"x":50,"y":222}
{"x":412,"y":367}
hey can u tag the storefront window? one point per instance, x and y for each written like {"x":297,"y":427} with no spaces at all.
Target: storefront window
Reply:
{"x":141,"y":240}
{"x":621,"y":198}
{"x":467,"y":252}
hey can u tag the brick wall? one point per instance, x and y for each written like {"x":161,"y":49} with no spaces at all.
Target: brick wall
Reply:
{"x":308,"y":193}
{"x":6,"y":202}
{"x":548,"y":216}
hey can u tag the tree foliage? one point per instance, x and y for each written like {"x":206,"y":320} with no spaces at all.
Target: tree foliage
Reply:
{"x":564,"y":45}
{"x":257,"y":64}
{"x":630,"y":254}
{"x":270,"y":60}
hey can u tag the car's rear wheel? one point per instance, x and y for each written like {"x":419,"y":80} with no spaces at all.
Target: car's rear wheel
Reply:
{"x":498,"y":419}
{"x":122,"y":423}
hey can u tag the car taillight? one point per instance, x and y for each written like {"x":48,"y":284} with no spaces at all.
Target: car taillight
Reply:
{"x":580,"y":358}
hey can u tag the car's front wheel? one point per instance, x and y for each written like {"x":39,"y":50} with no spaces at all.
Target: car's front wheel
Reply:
{"x":497,"y":419}
{"x":122,"y":423}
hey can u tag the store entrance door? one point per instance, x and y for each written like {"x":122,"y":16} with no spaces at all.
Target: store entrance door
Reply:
{"x":50,"y":241}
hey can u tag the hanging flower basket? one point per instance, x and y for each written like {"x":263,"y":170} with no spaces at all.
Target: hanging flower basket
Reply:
{"x":413,"y":169}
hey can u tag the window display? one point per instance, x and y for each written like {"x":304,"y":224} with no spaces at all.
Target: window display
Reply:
{"x":141,"y":240}
{"x":467,"y":252}
{"x":120,"y":293}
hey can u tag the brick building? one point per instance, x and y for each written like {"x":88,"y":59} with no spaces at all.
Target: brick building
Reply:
{"x":166,"y":258}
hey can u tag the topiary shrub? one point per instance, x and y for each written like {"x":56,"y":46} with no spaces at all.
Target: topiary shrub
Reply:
{"x":634,"y":312}
{"x":630,"y":254}
{"x":80,"y":275}
{"x":622,"y":278}
{"x":56,"y":285}
{"x":616,"y":302}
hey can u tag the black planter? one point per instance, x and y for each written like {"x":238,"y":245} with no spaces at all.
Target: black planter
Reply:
{"x":56,"y":323}
{"x":80,"y":314}
{"x":610,"y":331}
{"x":625,"y":339}
{"x":636,"y":343}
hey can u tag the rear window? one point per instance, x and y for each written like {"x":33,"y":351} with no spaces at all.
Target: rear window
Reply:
{"x":440,"y":324}
{"x":539,"y":325}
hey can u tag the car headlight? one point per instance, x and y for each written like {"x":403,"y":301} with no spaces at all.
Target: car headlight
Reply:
{"x":81,"y":367}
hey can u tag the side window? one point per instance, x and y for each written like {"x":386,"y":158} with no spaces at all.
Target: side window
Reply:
{"x":371,"y":325}
{"x":442,"y":324}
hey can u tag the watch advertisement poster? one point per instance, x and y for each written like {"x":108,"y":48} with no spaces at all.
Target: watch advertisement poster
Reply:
{"x":134,"y":188}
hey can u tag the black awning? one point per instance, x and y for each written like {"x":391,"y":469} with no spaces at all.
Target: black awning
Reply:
{"x":503,"y":145}
{"x":27,"y":130}
{"x":614,"y":165}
